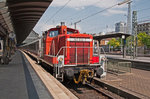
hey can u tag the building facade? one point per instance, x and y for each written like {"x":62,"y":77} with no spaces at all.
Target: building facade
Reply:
{"x":144,"y":27}
{"x":120,"y":27}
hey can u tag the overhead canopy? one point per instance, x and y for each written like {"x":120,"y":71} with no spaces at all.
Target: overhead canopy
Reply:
{"x":112,"y":35}
{"x":5,"y":20}
{"x":25,"y":14}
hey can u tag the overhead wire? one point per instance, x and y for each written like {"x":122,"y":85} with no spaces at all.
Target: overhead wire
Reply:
{"x":93,"y":14}
{"x":86,"y":16}
{"x":147,"y":20}
{"x":97,"y":12}
{"x":143,"y":9}
{"x":102,"y":10}
{"x":58,"y":11}
{"x":75,"y":14}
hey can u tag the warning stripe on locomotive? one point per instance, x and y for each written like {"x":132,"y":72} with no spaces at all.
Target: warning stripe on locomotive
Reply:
{"x":79,"y":39}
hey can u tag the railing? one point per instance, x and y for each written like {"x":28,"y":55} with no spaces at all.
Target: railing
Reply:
{"x":118,"y":67}
{"x":79,"y":57}
{"x":63,"y":51}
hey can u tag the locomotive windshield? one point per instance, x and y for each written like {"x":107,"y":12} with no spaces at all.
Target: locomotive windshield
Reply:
{"x":53,"y":33}
{"x":69,"y":32}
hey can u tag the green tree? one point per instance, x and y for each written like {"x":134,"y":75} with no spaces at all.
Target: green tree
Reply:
{"x":142,"y":39}
{"x":148,"y":41}
{"x":113,"y":42}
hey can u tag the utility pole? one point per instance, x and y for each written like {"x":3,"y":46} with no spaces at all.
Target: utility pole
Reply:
{"x":129,"y":18}
{"x":134,"y":32}
{"x":128,"y":28}
{"x":75,"y":24}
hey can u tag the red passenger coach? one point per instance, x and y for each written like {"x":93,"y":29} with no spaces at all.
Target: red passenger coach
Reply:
{"x":71,"y":54}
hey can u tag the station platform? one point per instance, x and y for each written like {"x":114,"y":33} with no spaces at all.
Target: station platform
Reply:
{"x":19,"y":80}
{"x":138,"y":63}
{"x":134,"y":85}
{"x":129,"y":58}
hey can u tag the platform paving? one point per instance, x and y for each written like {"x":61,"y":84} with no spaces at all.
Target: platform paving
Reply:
{"x":136,"y":82}
{"x":18,"y":80}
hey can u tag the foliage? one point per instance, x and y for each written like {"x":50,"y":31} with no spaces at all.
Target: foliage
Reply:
{"x":113,"y":42}
{"x":142,"y":39}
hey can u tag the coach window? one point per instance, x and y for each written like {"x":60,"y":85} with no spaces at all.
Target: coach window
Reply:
{"x":0,"y":46}
{"x":53,"y":33}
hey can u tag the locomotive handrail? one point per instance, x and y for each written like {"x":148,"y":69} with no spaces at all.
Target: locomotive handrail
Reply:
{"x":103,"y":50}
{"x":75,"y":47}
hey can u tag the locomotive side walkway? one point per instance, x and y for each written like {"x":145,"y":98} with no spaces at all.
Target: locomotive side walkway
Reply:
{"x":19,"y":80}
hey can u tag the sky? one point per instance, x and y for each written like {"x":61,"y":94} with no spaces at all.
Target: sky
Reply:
{"x":75,"y":10}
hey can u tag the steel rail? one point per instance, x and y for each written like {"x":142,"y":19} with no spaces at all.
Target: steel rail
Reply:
{"x":99,"y":91}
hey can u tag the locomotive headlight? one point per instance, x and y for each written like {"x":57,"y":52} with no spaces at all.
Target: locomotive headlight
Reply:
{"x":61,"y":59}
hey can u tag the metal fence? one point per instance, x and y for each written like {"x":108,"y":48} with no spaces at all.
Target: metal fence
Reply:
{"x":118,"y":67}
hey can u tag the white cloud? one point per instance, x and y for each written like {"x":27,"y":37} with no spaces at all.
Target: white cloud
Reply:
{"x":81,"y":4}
{"x":108,"y":29}
{"x":78,"y":27}
{"x":43,"y":27}
{"x":117,"y":11}
{"x":114,"y":11}
{"x":40,"y":27}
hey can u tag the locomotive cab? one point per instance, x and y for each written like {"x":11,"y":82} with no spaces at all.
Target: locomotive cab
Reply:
{"x":72,"y":53}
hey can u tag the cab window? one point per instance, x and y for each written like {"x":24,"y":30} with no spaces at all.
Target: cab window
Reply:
{"x":69,"y":32}
{"x":53,"y":33}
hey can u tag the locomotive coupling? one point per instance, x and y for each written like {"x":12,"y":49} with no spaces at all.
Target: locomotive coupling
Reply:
{"x":84,"y":75}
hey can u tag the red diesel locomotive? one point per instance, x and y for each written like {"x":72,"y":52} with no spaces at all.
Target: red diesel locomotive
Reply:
{"x":71,"y":54}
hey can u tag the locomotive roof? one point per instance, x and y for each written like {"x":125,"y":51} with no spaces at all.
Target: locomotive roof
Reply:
{"x":77,"y":31}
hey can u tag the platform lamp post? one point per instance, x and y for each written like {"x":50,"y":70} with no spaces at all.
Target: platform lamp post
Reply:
{"x":124,"y":46}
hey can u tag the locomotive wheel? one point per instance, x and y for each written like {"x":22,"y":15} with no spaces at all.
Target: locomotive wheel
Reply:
{"x":99,"y":72}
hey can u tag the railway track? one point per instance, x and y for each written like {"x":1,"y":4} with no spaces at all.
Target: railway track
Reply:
{"x":90,"y":91}
{"x":85,"y":91}
{"x":101,"y":91}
